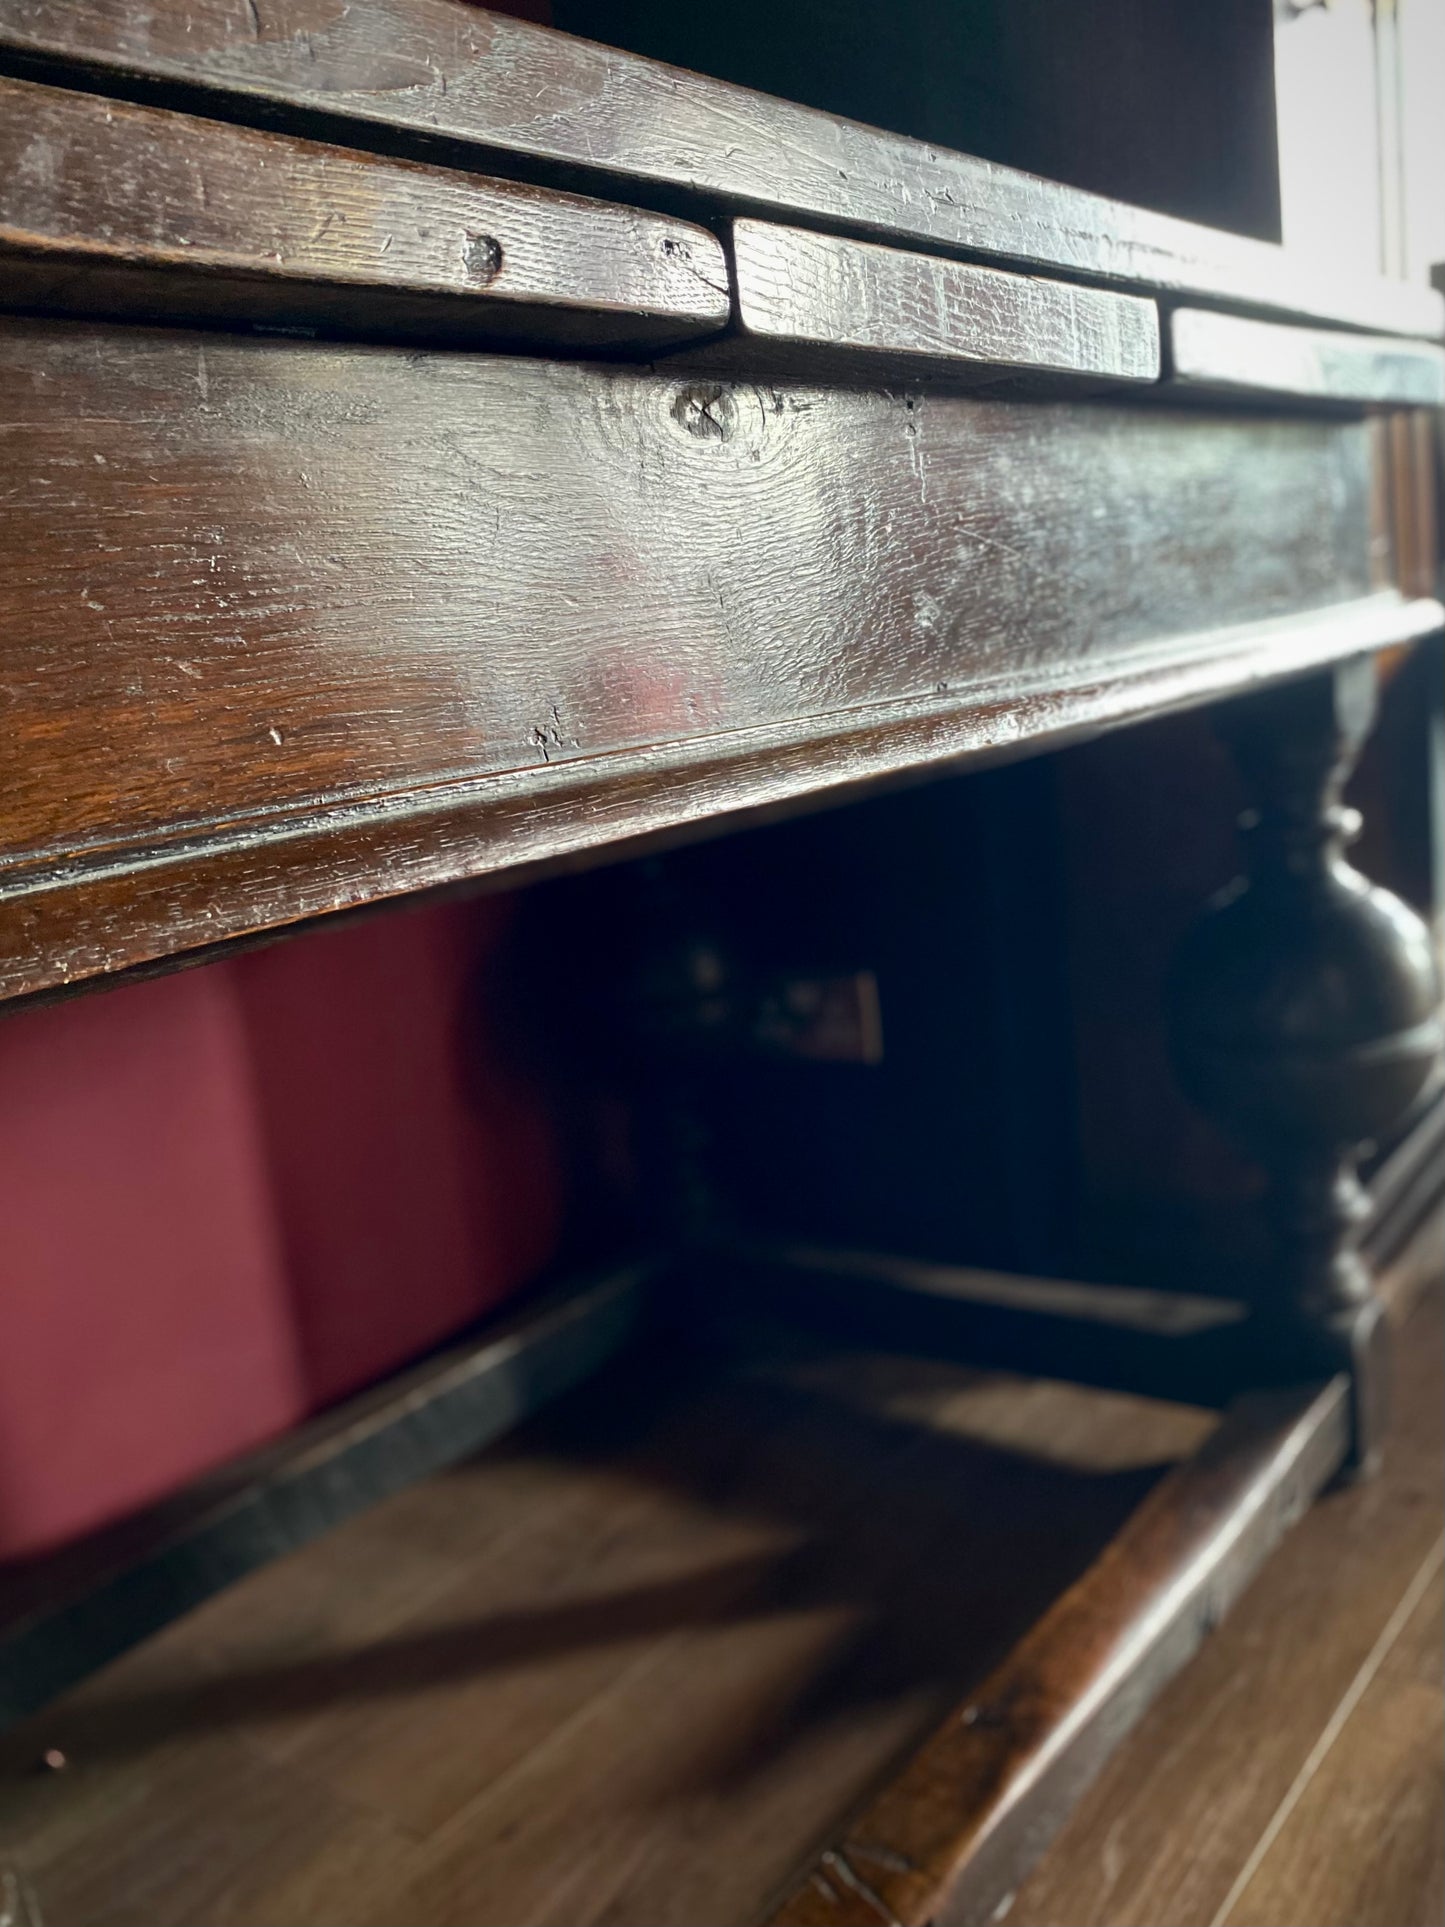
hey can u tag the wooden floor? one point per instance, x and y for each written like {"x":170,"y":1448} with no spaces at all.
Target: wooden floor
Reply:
{"x":1294,"y":1774}
{"x":631,"y":1667}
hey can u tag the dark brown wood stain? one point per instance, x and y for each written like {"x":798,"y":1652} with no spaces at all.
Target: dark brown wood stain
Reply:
{"x":298,"y":627}
{"x":630,"y":1666}
{"x":439,"y":71}
{"x":1167,"y":1829}
{"x":111,"y":207}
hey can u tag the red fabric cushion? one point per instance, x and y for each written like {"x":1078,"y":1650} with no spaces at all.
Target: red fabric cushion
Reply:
{"x":233,"y":1195}
{"x":414,"y":1170}
{"x":148,"y":1329}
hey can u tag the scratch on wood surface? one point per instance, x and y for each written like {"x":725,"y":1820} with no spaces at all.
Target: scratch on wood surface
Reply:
{"x":677,"y":250}
{"x":842,"y":1869}
{"x":550,"y":736}
{"x":912,"y":406}
{"x":884,"y":1856}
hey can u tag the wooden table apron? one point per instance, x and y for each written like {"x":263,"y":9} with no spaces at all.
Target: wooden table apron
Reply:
{"x":256,"y":591}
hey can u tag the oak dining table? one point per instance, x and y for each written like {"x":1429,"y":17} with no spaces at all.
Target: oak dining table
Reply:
{"x":441,"y":452}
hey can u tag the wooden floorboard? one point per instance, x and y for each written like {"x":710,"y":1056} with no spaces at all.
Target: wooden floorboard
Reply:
{"x":628,"y":1667}
{"x":1162,"y":1837}
{"x":64,"y":1615}
{"x":947,"y":1840}
{"x":1360,"y":1839}
{"x":632,"y":1665}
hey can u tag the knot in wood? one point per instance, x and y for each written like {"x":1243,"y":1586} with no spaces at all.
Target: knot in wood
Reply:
{"x":706,"y":411}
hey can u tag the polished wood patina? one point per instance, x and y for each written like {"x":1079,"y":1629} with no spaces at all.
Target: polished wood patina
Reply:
{"x":439,"y":450}
{"x":443,"y":77}
{"x":108,"y":207}
{"x":311,"y":626}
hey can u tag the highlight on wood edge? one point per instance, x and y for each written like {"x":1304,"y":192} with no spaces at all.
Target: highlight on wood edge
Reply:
{"x":92,"y":188}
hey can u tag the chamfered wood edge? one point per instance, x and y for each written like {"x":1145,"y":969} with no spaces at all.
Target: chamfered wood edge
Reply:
{"x":935,"y":198}
{"x":952,"y":1835}
{"x":64,"y":922}
{"x":63,"y":1616}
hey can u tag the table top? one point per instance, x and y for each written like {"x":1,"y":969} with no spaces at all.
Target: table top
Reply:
{"x":443,"y":79}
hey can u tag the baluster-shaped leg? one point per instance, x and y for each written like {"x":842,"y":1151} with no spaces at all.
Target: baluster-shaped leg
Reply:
{"x":1305,"y":1017}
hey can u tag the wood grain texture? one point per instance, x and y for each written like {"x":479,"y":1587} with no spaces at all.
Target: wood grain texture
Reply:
{"x":1164,"y":1833}
{"x":948,"y":1839}
{"x":1124,"y":99}
{"x":142,"y":910}
{"x":801,"y":287}
{"x":441,"y":71}
{"x":1361,"y":1839}
{"x":1415,"y":439}
{"x":96,"y":196}
{"x":320,"y":625}
{"x":626,"y":1668}
{"x":1229,"y":355}
{"x":63,"y":1616}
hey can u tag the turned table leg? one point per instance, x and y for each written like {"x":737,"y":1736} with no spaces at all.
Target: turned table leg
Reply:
{"x":1305,"y":1018}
